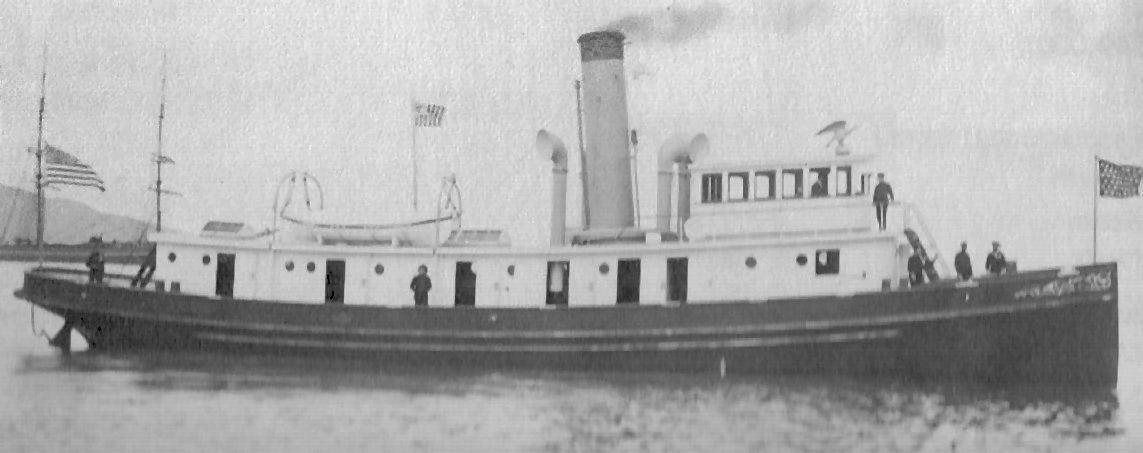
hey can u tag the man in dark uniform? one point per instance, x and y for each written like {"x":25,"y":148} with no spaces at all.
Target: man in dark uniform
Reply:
{"x":819,"y":188}
{"x":963,"y":263}
{"x":421,"y":285}
{"x":916,"y":269}
{"x":95,"y":267}
{"x":995,"y":264}
{"x":882,"y":195}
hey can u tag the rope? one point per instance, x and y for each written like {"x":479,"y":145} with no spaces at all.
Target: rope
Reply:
{"x":16,"y":189}
{"x":39,"y":332}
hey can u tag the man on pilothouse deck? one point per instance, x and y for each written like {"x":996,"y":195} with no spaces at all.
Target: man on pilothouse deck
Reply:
{"x":882,"y":195}
{"x":421,"y":285}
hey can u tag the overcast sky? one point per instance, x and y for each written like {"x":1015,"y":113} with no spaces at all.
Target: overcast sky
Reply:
{"x":976,"y":108}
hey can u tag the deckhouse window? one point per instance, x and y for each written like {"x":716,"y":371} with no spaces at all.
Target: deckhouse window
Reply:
{"x":712,"y":188}
{"x":827,"y":262}
{"x":764,"y":185}
{"x":844,"y":181}
{"x":739,"y":187}
{"x":792,"y":183}
{"x":819,"y":178}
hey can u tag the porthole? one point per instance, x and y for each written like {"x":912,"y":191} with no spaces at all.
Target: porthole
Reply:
{"x":206,"y":259}
{"x":751,"y":262}
{"x":802,"y":260}
{"x":310,"y":266}
{"x":171,"y":257}
{"x":289,"y":265}
{"x":378,"y":269}
{"x":604,"y":268}
{"x":511,"y":269}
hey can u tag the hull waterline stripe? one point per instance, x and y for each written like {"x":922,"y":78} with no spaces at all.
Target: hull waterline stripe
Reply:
{"x":665,"y":346}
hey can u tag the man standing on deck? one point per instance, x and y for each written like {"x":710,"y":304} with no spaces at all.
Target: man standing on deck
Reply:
{"x":916,"y":269}
{"x":421,"y":285}
{"x":95,"y":267}
{"x":882,"y":195}
{"x":963,"y":263}
{"x":995,"y":264}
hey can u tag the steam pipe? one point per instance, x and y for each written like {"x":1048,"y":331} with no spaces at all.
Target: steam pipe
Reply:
{"x":550,"y":147}
{"x":682,"y":150}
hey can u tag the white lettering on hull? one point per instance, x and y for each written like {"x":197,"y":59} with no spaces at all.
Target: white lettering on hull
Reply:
{"x":1086,"y":283}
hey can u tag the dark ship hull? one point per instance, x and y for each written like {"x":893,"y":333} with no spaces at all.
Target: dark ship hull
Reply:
{"x":1032,"y":327}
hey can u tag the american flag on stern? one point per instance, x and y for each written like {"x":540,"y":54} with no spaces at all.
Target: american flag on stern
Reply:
{"x":1119,"y":181}
{"x":428,"y":115}
{"x":61,"y":168}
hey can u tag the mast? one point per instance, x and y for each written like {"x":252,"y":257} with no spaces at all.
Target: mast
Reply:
{"x":159,"y":160}
{"x":40,"y":162}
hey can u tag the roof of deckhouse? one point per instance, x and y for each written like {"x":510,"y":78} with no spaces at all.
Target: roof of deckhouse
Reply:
{"x":764,"y":164}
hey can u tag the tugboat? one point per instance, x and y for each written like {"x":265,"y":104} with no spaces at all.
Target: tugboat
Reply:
{"x":762,"y":266}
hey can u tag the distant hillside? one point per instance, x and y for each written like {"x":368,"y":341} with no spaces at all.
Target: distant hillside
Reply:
{"x":68,"y":222}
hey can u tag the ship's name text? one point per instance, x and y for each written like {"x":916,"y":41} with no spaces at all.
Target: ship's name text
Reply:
{"x":1086,"y":283}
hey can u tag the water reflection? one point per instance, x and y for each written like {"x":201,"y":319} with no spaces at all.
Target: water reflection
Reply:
{"x":643,"y":411}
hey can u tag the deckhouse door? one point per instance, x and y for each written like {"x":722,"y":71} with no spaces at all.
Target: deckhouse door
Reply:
{"x":558,"y":273}
{"x":335,"y":281}
{"x":677,"y":279}
{"x":465,"y":284}
{"x":627,"y":284}
{"x":224,"y":275}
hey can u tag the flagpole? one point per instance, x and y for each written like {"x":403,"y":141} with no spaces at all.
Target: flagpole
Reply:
{"x":414,"y":154}
{"x":584,"y":219}
{"x":40,"y":163}
{"x":1095,"y":215}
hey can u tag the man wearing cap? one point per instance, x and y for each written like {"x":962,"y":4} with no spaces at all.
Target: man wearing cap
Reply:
{"x":963,"y":263}
{"x":882,"y":195}
{"x":995,"y":264}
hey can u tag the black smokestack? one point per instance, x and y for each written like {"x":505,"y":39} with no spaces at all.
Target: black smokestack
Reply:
{"x":673,"y":25}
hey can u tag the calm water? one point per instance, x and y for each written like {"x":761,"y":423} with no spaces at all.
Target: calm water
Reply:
{"x":100,"y":402}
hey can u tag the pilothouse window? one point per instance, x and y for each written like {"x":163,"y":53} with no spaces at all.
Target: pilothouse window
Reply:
{"x":764,"y":185}
{"x":866,"y":184}
{"x":739,"y":187}
{"x":792,"y":183}
{"x":711,"y":188}
{"x":844,"y":180}
{"x":819,"y":177}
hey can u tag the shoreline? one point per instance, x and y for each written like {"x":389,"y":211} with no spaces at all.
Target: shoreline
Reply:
{"x":73,"y":254}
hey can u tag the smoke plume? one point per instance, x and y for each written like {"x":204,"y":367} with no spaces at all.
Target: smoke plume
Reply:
{"x":674,"y":25}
